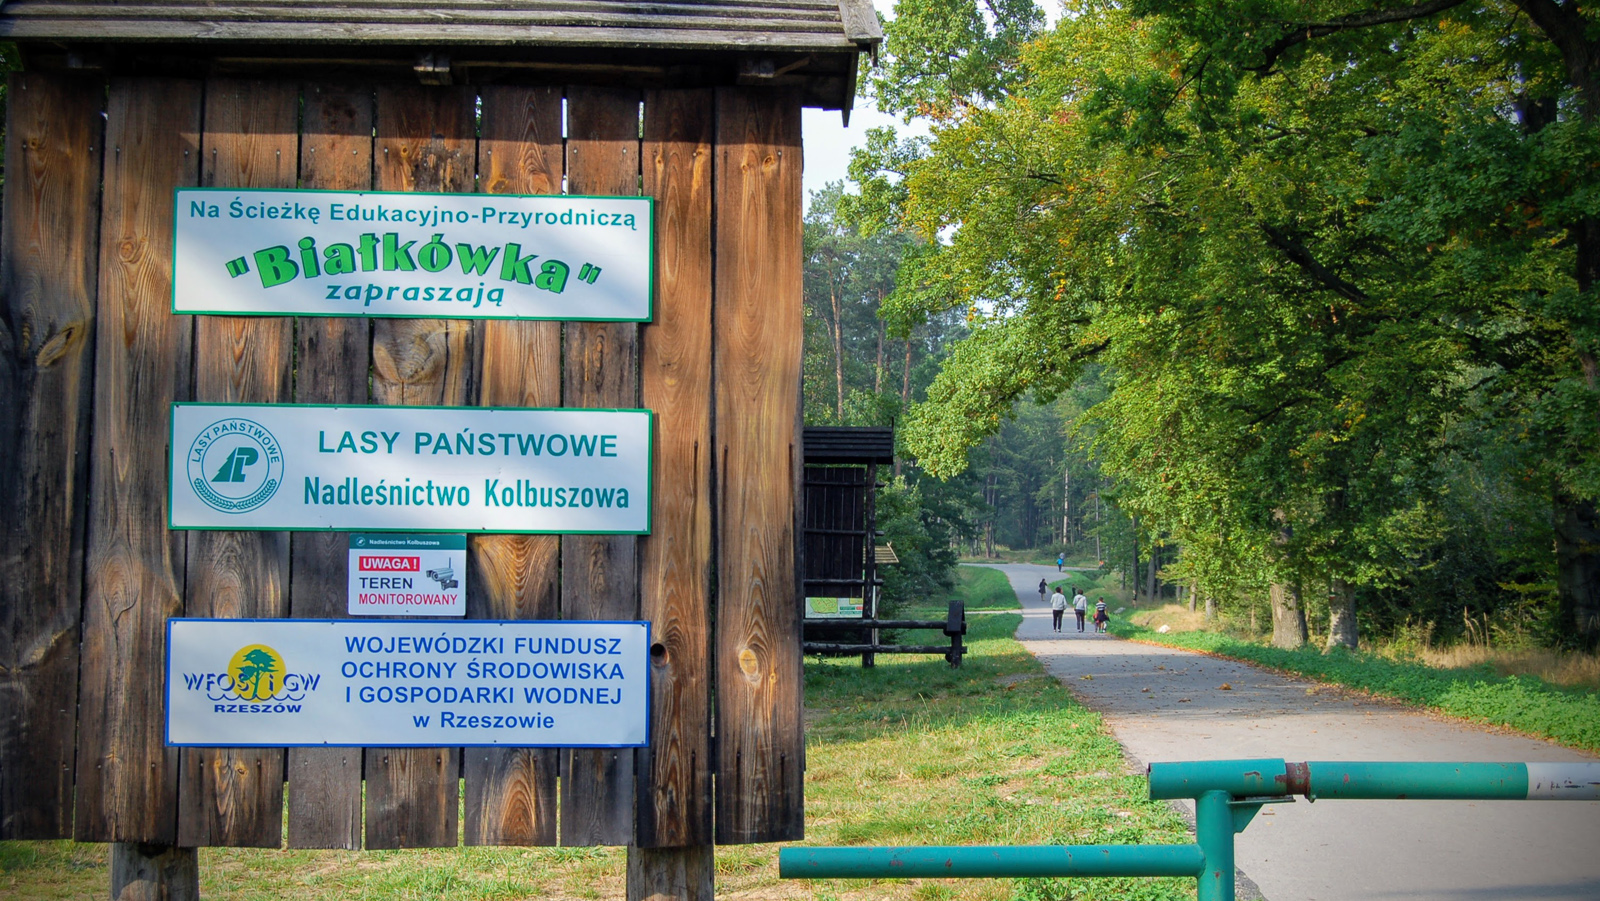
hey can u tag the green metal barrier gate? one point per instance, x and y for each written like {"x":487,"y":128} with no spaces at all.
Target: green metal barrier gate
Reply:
{"x":1226,"y":794}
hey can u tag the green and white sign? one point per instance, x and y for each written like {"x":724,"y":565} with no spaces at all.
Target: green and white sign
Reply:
{"x":245,"y":252}
{"x":370,"y":468}
{"x":835,"y":608}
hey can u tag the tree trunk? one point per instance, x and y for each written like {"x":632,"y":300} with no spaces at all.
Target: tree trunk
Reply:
{"x":1066,"y":507}
{"x":1342,"y":616}
{"x":838,"y":358}
{"x":877,"y":370}
{"x":1578,"y":569}
{"x":905,"y":376}
{"x":1211,"y":610}
{"x":1133,"y":574}
{"x":1194,"y":589}
{"x":1288,"y":616}
{"x":1577,"y":522}
{"x":1152,"y":583}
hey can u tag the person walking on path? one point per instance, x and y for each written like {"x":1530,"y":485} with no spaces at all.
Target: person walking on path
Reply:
{"x":1080,"y":606}
{"x":1100,"y":617}
{"x":1061,"y":560}
{"x":1058,"y":607}
{"x":1044,"y":589}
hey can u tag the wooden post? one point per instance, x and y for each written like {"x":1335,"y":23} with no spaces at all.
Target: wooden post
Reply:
{"x":599,"y":573}
{"x":153,"y":873}
{"x":671,"y":874}
{"x":511,"y":792}
{"x":673,"y":858}
{"x":48,"y":269}
{"x":234,"y":796}
{"x":126,"y":776}
{"x":331,"y":355}
{"x":757,"y":329}
{"x":425,"y":143}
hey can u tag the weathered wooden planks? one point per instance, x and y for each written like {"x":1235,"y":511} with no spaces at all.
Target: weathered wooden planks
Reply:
{"x":127,"y":779}
{"x":674,"y":773}
{"x":425,"y":142}
{"x":234,"y":796}
{"x":511,"y":792}
{"x":48,"y":270}
{"x":599,"y":573}
{"x":757,"y":329}
{"x":331,"y":361}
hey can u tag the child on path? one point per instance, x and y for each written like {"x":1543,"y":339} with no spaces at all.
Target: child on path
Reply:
{"x":1058,"y":606}
{"x":1100,"y":617}
{"x":1044,"y":589}
{"x":1080,"y":606}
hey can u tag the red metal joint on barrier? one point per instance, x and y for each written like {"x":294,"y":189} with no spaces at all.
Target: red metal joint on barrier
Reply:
{"x":1296,"y":779}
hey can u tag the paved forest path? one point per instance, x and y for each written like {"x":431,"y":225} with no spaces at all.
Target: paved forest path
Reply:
{"x":1333,"y":850}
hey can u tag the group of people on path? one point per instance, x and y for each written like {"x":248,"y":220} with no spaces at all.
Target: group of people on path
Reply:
{"x":1080,"y":607}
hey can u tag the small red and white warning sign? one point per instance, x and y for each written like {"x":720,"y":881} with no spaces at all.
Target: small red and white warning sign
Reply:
{"x":407,"y":574}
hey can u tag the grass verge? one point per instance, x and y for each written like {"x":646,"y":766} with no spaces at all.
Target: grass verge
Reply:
{"x":983,"y":588}
{"x":1477,"y":693}
{"x":909,"y":752}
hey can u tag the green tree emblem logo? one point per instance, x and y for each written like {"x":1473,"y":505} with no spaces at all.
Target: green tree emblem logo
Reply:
{"x":257,"y":672}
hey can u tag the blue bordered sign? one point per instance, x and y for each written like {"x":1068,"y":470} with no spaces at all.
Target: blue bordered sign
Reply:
{"x":407,"y":683}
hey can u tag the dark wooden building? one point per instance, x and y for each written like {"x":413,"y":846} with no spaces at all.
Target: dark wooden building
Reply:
{"x":696,"y":104}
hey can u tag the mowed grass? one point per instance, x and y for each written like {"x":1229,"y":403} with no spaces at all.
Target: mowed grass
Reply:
{"x":1473,"y":692}
{"x":981,"y":588}
{"x":910,"y":752}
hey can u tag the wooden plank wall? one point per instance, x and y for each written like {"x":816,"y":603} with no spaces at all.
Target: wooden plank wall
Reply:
{"x":599,"y":573}
{"x":234,"y":796}
{"x":331,"y":356}
{"x":723,"y":168}
{"x":757,"y":353}
{"x":511,"y":792}
{"x":48,"y":271}
{"x":426,"y":142}
{"x":674,"y":793}
{"x":127,"y":779}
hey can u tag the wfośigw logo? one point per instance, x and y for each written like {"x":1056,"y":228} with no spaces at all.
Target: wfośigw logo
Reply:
{"x":235,"y":465}
{"x":255,"y":674}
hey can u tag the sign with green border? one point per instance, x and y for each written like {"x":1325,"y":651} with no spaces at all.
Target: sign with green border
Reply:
{"x":245,"y":252}
{"x":377,"y":468}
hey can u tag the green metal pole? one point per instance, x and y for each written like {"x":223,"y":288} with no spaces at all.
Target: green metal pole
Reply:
{"x":978,"y":861}
{"x":1213,"y":829}
{"x":1418,"y":781}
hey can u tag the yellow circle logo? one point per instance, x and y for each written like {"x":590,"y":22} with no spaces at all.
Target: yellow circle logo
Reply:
{"x":257,"y":672}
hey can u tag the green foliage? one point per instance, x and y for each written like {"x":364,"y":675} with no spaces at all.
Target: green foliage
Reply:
{"x":946,"y":53}
{"x":1323,"y":262}
{"x":1525,"y":703}
{"x":920,"y":540}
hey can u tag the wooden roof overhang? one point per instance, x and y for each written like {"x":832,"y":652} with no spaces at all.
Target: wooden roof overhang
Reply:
{"x":811,"y":45}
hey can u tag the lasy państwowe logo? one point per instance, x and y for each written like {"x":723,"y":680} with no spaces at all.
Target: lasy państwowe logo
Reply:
{"x":235,"y":465}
